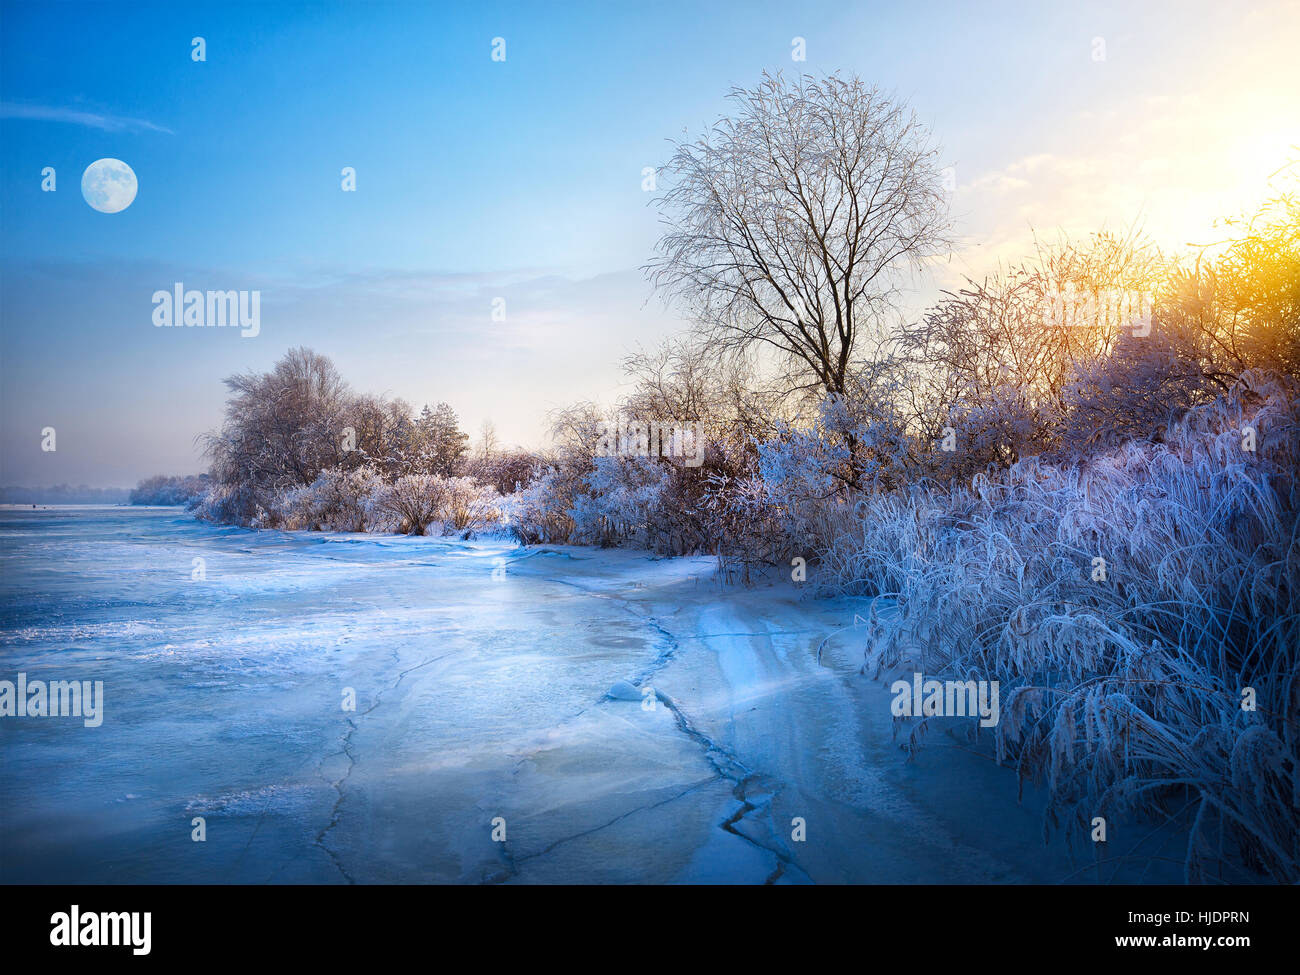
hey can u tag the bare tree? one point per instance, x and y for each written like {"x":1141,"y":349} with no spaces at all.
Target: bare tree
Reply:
{"x":684,"y":380}
{"x":793,"y":222}
{"x":489,"y":444}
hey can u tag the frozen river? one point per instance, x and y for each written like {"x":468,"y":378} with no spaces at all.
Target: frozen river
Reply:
{"x":483,"y":745}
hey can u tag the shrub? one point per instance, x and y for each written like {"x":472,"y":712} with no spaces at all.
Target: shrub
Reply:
{"x":1125,"y":690}
{"x":338,"y":500}
{"x":468,"y":507}
{"x":621,"y":501}
{"x":417,"y":501}
{"x":542,"y":509}
{"x":414,"y":501}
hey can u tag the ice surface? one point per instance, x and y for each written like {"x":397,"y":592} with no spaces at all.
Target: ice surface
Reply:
{"x":479,"y":696}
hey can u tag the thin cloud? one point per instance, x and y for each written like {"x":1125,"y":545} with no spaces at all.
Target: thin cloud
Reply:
{"x":93,"y":120}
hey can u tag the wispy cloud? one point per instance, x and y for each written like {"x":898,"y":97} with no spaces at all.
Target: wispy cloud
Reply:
{"x":94,"y":120}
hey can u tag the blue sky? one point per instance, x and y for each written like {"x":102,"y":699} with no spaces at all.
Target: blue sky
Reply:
{"x":519,"y":179}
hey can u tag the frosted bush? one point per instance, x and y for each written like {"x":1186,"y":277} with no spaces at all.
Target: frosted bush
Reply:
{"x":1123,"y":678}
{"x":414,"y":503}
{"x":469,"y":507}
{"x":622,"y":502}
{"x":808,"y":481}
{"x":224,"y":503}
{"x":747,"y":525}
{"x":541,"y":510}
{"x":338,"y":500}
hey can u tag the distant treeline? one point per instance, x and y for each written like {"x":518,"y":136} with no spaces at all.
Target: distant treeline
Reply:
{"x":170,"y":489}
{"x":63,"y":494}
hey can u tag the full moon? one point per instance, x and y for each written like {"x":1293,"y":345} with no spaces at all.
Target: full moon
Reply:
{"x":108,"y":185}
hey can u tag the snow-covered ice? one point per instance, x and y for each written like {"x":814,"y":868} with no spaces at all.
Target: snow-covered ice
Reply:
{"x":480,"y":696}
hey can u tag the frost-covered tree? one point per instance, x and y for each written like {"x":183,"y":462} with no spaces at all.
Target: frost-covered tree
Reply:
{"x":439,"y":443}
{"x":997,"y":362}
{"x":793,"y":222}
{"x":379,"y":433}
{"x":284,"y":428}
{"x":281,"y":429}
